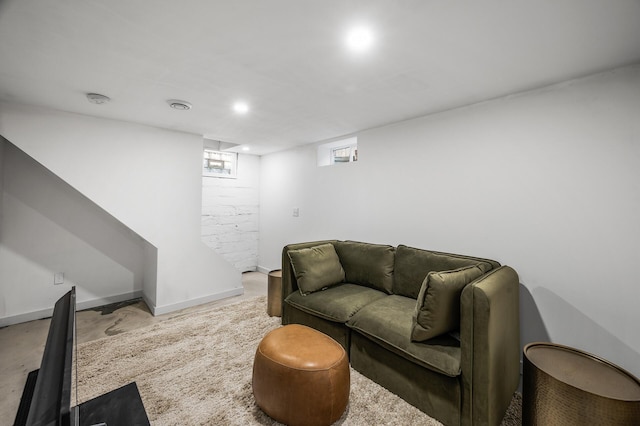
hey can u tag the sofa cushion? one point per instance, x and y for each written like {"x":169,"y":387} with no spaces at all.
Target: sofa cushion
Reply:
{"x":367,"y":264}
{"x":337,"y":303}
{"x":437,"y":310}
{"x":316,"y":267}
{"x":388,"y":321}
{"x":412,"y":266}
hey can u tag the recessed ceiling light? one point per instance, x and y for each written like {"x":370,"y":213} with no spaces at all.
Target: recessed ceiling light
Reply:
{"x":359,"y":39}
{"x":181,"y":105}
{"x":246,"y":148}
{"x":241,"y":107}
{"x":96,"y":98}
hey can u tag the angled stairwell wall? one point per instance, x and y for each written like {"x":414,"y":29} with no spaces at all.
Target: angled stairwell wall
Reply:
{"x":47,"y":228}
{"x":147,"y":179}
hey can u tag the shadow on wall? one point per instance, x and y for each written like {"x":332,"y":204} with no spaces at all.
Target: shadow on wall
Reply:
{"x":532,"y":328}
{"x":572,"y":328}
{"x":41,"y":199}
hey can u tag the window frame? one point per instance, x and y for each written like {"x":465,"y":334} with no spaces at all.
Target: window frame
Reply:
{"x":326,"y":151}
{"x":209,"y":171}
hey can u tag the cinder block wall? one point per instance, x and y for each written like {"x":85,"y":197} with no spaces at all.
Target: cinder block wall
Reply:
{"x":230,"y":214}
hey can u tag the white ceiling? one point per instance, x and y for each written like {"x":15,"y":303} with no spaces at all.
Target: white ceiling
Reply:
{"x":288,"y":60}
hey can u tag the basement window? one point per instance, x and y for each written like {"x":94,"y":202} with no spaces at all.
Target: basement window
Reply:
{"x":220,"y":164}
{"x":337,"y":152}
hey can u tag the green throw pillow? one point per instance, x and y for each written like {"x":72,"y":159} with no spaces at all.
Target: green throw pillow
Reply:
{"x":316,"y":267}
{"x":438,"y":306}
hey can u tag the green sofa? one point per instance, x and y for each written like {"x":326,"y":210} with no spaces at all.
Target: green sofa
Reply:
{"x":439,"y":330}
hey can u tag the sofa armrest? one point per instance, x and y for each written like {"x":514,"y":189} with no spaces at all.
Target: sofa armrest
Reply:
{"x":490,"y":344}
{"x":289,"y":282}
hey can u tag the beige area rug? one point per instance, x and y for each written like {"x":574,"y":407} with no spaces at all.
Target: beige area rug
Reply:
{"x":196,"y":370}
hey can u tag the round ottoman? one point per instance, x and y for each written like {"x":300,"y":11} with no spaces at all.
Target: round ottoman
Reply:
{"x":301,"y":376}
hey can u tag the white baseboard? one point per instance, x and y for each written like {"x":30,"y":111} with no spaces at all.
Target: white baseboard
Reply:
{"x":151,"y":306}
{"x":101,"y":301}
{"x":155,"y":310}
{"x":165,"y":309}
{"x":26,"y":317}
{"x":87,"y":304}
{"x":266,"y":270}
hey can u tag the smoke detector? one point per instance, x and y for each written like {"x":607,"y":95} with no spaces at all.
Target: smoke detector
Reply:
{"x":96,"y":98}
{"x":181,"y":105}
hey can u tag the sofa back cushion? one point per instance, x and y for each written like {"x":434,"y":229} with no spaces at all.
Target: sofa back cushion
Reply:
{"x":316,"y":268}
{"x":412,"y":266}
{"x":367,"y":264}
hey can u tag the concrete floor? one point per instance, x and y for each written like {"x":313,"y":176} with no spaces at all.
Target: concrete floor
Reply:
{"x":22,"y":345}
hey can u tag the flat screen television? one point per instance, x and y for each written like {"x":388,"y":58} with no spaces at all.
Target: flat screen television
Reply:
{"x":46,"y":399}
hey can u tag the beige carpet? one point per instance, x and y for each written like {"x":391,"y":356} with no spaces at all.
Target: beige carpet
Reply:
{"x":196,"y":370}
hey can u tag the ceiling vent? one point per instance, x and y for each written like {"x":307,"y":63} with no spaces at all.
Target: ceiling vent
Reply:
{"x":181,"y":105}
{"x":96,"y":98}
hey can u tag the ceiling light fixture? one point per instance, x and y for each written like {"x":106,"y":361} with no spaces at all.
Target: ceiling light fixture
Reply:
{"x":246,"y":148}
{"x":181,"y":105}
{"x":241,"y":107}
{"x":359,"y":39}
{"x":96,"y":98}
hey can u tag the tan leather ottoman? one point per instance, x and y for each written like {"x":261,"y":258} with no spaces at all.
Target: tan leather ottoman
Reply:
{"x":301,"y":376}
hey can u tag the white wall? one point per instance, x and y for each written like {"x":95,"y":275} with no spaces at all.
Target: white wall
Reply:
{"x":49,"y":227}
{"x":147,"y":178}
{"x":547,"y":182}
{"x":230,"y":214}
{"x":2,"y":143}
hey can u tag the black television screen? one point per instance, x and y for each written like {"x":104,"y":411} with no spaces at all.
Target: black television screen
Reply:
{"x":46,"y":399}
